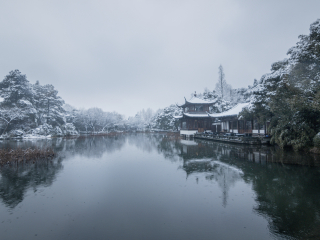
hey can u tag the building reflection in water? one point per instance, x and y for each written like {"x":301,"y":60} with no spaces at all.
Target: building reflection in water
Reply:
{"x":286,"y":195}
{"x":224,"y":174}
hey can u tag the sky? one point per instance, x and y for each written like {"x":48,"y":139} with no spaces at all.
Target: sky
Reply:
{"x":130,"y":55}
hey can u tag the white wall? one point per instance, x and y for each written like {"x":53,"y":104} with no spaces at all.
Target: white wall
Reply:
{"x":188,"y":132}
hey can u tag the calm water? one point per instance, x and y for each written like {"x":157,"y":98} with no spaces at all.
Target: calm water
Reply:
{"x":153,"y":187}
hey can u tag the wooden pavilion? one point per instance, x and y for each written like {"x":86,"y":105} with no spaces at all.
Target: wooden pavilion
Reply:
{"x":196,"y":119}
{"x":229,"y":121}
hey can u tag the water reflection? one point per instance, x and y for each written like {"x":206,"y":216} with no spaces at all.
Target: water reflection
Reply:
{"x":166,"y":145}
{"x":87,"y":146}
{"x":286,"y":195}
{"x":16,"y":180}
{"x":225,"y":175}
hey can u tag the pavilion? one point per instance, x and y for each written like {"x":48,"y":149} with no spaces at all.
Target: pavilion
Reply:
{"x":196,"y":119}
{"x":195,"y":116}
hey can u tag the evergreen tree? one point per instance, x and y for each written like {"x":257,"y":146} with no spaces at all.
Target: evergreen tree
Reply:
{"x":165,"y":118}
{"x":289,"y":96}
{"x":16,"y":109}
{"x":15,"y":90}
{"x":48,"y":105}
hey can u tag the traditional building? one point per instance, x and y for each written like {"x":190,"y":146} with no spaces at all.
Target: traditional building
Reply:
{"x":229,"y":121}
{"x":195,"y":116}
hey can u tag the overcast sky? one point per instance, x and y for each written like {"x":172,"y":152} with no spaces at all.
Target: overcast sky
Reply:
{"x":128,"y":55}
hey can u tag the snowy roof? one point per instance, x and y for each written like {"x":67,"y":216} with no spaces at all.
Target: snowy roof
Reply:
{"x":196,"y":115}
{"x":231,"y":112}
{"x":195,"y":100}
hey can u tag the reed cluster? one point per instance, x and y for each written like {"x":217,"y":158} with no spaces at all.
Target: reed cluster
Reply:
{"x":30,"y":154}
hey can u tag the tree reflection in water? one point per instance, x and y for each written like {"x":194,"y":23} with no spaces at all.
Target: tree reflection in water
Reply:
{"x":16,"y":180}
{"x":286,"y":195}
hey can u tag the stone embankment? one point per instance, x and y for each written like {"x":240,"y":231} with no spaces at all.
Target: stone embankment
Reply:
{"x":240,"y":138}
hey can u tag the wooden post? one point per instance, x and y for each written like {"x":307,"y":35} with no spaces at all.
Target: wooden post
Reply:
{"x":238,"y":126}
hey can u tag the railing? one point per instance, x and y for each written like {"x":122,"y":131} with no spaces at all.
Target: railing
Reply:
{"x":230,"y":137}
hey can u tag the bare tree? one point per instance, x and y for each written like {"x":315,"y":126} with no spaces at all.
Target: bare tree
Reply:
{"x":111,"y":119}
{"x":221,"y":82}
{"x":10,"y":114}
{"x":223,"y":89}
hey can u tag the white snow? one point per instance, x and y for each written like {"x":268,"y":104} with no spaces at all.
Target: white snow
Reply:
{"x":196,"y":115}
{"x":197,"y":100}
{"x":35,"y":136}
{"x":26,"y":102}
{"x":233,"y":111}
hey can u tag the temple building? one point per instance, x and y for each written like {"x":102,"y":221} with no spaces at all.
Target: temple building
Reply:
{"x":229,"y":121}
{"x":196,"y":118}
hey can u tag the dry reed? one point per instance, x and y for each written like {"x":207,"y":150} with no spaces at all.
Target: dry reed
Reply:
{"x":30,"y":154}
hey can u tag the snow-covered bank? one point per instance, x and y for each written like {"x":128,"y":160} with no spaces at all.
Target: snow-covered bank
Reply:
{"x":42,"y":132}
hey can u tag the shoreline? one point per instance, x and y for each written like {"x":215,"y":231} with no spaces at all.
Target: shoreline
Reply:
{"x":38,"y":137}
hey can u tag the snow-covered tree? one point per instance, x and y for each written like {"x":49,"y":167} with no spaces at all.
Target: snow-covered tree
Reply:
{"x":48,"y":105}
{"x":96,"y":120}
{"x":289,"y":95}
{"x":81,"y":120}
{"x":223,"y":89}
{"x":9,"y":115}
{"x":16,"y":90}
{"x":164,"y":118}
{"x":112,"y":120}
{"x":142,"y":120}
{"x":17,"y":94}
{"x":70,"y":113}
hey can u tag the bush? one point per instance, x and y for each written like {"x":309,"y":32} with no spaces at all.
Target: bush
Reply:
{"x":16,"y":133}
{"x":70,"y":130}
{"x":298,"y":136}
{"x":56,"y":132}
{"x":316,"y":140}
{"x":44,"y":129}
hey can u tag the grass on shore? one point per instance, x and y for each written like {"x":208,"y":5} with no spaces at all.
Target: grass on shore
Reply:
{"x":30,"y":154}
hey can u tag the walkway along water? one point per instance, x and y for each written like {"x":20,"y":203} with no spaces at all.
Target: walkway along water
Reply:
{"x":234,"y":138}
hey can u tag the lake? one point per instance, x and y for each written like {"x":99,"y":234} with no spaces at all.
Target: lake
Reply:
{"x":156,"y":186}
